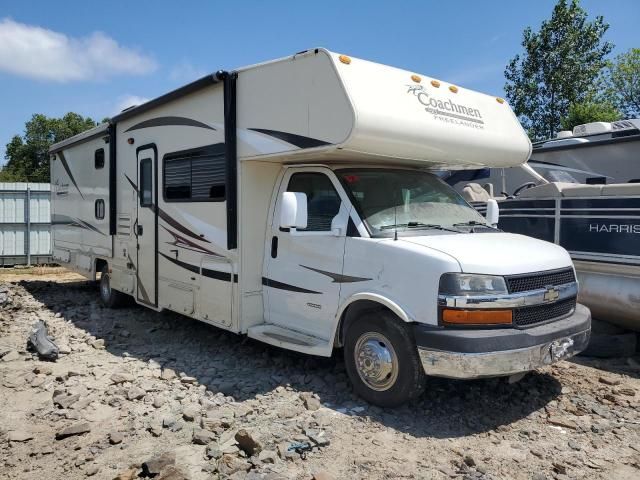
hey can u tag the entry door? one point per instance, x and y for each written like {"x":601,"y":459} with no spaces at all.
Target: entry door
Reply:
{"x":146,"y":228}
{"x":304,"y":271}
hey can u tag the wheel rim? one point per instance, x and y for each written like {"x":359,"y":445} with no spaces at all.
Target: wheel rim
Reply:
{"x":376,"y":361}
{"x":105,"y":289}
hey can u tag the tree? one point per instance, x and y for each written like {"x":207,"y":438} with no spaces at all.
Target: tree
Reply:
{"x":558,"y":68}
{"x":589,"y":111}
{"x":28,"y":155}
{"x":623,"y":79}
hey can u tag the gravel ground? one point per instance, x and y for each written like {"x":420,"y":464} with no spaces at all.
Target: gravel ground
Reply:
{"x":141,"y":394}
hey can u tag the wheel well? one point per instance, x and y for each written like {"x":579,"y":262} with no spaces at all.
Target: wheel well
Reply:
{"x":354,"y":311}
{"x":100,"y":264}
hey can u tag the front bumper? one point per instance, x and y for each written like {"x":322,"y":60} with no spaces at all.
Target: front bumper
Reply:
{"x":467,"y":354}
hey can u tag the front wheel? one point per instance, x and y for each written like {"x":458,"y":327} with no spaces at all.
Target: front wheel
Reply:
{"x":382,"y":360}
{"x":109,"y":297}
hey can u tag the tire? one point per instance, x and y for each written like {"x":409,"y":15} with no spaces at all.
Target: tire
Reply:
{"x":382,"y":360}
{"x":109,"y":297}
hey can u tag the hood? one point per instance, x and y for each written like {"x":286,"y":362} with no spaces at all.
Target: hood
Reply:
{"x":497,"y":253}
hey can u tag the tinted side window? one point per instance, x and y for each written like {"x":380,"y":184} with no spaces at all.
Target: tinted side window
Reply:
{"x":323,"y":202}
{"x":146,"y":183}
{"x":98,"y":159}
{"x":196,"y":175}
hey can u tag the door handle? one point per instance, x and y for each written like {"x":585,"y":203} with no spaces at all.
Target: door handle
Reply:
{"x":139,"y":230}
{"x":274,"y":247}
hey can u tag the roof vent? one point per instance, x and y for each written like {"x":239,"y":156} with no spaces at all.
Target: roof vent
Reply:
{"x":593,"y":128}
{"x":564,"y":134}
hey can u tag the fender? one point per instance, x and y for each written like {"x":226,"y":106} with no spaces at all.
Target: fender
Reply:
{"x":374,"y":297}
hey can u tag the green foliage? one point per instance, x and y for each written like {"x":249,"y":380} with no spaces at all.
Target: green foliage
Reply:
{"x":622,"y":76}
{"x":589,"y":111}
{"x":28,"y":155}
{"x":558,"y":68}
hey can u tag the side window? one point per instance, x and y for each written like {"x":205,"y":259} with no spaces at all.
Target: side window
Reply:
{"x":196,"y":175}
{"x":99,"y":209}
{"x":98,"y":159}
{"x":323,"y":202}
{"x":146,"y":183}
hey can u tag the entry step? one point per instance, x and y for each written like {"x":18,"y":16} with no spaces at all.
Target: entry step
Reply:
{"x":290,"y":339}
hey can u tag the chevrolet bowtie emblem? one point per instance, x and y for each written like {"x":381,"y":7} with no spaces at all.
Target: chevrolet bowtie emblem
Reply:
{"x":551,"y":294}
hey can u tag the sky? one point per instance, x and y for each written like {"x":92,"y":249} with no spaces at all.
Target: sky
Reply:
{"x":97,"y":58}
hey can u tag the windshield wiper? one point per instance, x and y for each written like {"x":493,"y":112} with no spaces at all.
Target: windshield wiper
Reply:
{"x":474,"y":223}
{"x":419,"y":225}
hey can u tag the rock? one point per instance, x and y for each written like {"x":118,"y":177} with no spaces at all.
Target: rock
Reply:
{"x":65,"y":401}
{"x":609,"y":380}
{"x":469,"y":461}
{"x":11,"y":356}
{"x":168,"y":422}
{"x":318,"y":437}
{"x":285,"y":453}
{"x":98,"y":344}
{"x":64,"y":349}
{"x":122,"y":377}
{"x":323,"y":475}
{"x":312,"y":403}
{"x":190,"y":413}
{"x":154,"y":465}
{"x":19,"y":436}
{"x":538,"y":476}
{"x":268,"y":456}
{"x":155,"y":430}
{"x":560,"y":468}
{"x":248,"y":443}
{"x":562,"y":422}
{"x":135,"y":393}
{"x":171,"y":472}
{"x":168,"y":374}
{"x":76,"y":429}
{"x":202,"y":437}
{"x":230,"y":464}
{"x":629,"y":392}
{"x":189,"y":380}
{"x":43,"y":369}
{"x":213,"y":451}
{"x":130,"y":474}
{"x":91,"y":470}
{"x":115,"y":438}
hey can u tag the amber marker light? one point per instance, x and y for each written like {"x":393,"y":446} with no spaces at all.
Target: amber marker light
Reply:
{"x":416,"y":78}
{"x":344,"y":59}
{"x":477,"y":317}
{"x":435,"y":83}
{"x":499,"y":100}
{"x":453,"y":88}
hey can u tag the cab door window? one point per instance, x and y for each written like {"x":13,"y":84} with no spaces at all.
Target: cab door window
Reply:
{"x":323,"y":201}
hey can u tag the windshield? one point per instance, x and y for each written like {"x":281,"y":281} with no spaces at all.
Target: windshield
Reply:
{"x":406,"y":199}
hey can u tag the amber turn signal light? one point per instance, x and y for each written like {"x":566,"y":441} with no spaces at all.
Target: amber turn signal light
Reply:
{"x":477,"y":317}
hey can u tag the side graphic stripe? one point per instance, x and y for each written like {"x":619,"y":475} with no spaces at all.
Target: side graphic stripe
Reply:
{"x":167,"y":218}
{"x":65,"y":165}
{"x":337,"y":277}
{"x":142,"y":290}
{"x":267,"y":282}
{"x":206,"y":272}
{"x":297,"y":140}
{"x":58,"y":219}
{"x":180,"y":241}
{"x":169,"y":121}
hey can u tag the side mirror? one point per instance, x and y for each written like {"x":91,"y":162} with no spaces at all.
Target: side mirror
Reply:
{"x":293,"y":210}
{"x":493,"y":212}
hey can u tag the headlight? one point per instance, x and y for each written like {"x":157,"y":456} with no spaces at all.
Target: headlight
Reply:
{"x":472,"y":284}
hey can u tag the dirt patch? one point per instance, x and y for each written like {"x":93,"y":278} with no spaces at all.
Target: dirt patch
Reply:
{"x":140,"y":393}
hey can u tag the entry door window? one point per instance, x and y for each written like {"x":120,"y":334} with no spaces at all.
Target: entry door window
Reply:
{"x":323,"y":202}
{"x":146,"y":183}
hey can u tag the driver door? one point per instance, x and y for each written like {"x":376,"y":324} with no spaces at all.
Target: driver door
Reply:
{"x":304,"y":267}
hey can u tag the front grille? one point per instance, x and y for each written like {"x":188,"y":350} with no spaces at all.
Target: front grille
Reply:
{"x":529,"y":316}
{"x":523,"y":283}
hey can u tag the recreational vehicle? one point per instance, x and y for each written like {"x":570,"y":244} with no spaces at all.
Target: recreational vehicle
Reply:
{"x":294,"y":201}
{"x":580,"y":190}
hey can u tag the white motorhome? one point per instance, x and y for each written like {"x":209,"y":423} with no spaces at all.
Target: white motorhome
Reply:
{"x":294,"y":201}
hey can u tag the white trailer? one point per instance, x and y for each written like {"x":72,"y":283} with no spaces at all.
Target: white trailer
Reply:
{"x":294,"y":201}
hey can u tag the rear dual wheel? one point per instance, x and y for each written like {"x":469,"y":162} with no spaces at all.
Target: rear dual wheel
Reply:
{"x":382,"y":360}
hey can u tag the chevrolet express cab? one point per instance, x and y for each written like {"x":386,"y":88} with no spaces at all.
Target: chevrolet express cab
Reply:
{"x":299,"y":202}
